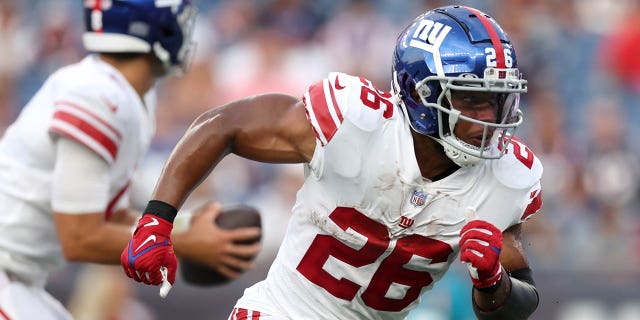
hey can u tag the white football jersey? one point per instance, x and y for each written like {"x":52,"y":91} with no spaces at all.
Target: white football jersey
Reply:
{"x":93,"y":104}
{"x":368,"y":233}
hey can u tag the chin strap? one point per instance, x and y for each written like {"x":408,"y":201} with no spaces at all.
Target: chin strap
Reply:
{"x":458,"y":157}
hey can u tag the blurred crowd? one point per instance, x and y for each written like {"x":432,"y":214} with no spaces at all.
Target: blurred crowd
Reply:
{"x":581,"y":57}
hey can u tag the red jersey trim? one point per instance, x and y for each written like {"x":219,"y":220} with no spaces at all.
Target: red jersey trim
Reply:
{"x":321,"y":110}
{"x":90,"y":114}
{"x":243,"y":314}
{"x":112,"y":204}
{"x":533,"y":207}
{"x":4,"y":315}
{"x":87,"y":129}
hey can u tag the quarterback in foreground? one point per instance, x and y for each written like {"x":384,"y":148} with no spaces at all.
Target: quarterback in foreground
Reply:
{"x":398,"y":184}
{"x":67,"y":162}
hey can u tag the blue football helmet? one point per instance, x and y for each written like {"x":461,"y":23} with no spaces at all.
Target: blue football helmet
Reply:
{"x":163,"y":27}
{"x":461,"y":49}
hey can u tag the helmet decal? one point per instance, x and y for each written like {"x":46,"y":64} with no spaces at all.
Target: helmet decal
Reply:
{"x":429,"y":36}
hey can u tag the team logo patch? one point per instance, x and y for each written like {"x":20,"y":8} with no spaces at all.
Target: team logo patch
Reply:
{"x":406,"y":222}
{"x":418,"y":198}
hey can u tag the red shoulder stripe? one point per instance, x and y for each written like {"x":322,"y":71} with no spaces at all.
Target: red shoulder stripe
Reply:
{"x":306,"y":111}
{"x":90,"y":114}
{"x":533,"y":207}
{"x":85,"y":127}
{"x":242,"y":314}
{"x":322,"y":109}
{"x":335,"y":103}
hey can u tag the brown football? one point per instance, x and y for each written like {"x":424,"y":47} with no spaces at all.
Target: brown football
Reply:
{"x":238,"y":216}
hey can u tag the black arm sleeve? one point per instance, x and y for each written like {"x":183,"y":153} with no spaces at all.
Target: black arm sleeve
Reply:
{"x":522,"y":301}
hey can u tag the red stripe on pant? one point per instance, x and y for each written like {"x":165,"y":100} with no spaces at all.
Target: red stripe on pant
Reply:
{"x":243,"y":314}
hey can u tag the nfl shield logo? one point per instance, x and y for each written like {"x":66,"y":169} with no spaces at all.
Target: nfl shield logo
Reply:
{"x":418,"y":198}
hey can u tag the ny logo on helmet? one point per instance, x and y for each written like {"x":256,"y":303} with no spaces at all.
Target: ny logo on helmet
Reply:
{"x":429,"y":35}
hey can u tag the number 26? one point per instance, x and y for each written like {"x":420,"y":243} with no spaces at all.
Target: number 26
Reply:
{"x":491,"y":57}
{"x":391,"y":269}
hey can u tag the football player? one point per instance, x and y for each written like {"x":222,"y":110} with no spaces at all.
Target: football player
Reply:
{"x":66,"y":163}
{"x":398,"y":184}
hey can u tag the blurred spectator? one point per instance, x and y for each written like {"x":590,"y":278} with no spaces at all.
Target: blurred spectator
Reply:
{"x":275,"y":200}
{"x":619,"y":55}
{"x":611,"y":180}
{"x":547,"y":136}
{"x":298,"y":20}
{"x":360,"y":40}
{"x":621,"y":52}
{"x":17,"y":38}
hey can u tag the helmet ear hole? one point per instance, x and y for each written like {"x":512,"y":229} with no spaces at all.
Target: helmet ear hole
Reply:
{"x":426,"y":92}
{"x":166,"y":32}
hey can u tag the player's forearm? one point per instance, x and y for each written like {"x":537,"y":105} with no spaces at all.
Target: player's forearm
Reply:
{"x":183,"y":245}
{"x":126,"y":217}
{"x":492,"y":298}
{"x":103,"y":245}
{"x":182,"y":242}
{"x":516,"y":298}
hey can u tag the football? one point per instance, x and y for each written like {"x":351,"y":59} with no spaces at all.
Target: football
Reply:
{"x":238,"y":216}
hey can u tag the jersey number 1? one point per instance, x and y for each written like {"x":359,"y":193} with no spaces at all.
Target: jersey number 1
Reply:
{"x":391,"y":269}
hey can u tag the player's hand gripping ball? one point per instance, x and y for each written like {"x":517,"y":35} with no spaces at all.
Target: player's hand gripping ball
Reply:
{"x":240,"y":216}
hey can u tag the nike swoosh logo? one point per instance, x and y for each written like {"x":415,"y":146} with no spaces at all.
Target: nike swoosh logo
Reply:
{"x":338,"y":86}
{"x":150,"y":238}
{"x":154,"y":222}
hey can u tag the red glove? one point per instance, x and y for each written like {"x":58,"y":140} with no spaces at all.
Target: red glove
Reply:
{"x":480,"y":246}
{"x":149,"y":249}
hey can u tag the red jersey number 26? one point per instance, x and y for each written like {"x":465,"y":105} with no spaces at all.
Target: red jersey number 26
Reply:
{"x":375,"y":99}
{"x":391,"y":269}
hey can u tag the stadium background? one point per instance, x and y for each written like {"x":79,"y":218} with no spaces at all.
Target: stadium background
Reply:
{"x":582,"y":60}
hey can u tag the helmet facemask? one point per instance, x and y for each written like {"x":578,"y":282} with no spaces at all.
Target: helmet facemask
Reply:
{"x":503,"y":85}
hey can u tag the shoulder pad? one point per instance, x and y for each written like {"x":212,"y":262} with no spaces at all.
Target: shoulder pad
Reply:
{"x":340,"y":96}
{"x":87,"y":112}
{"x":519,"y":168}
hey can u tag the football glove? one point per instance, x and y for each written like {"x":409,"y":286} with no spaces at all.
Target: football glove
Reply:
{"x":149,"y":250}
{"x":480,"y":246}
